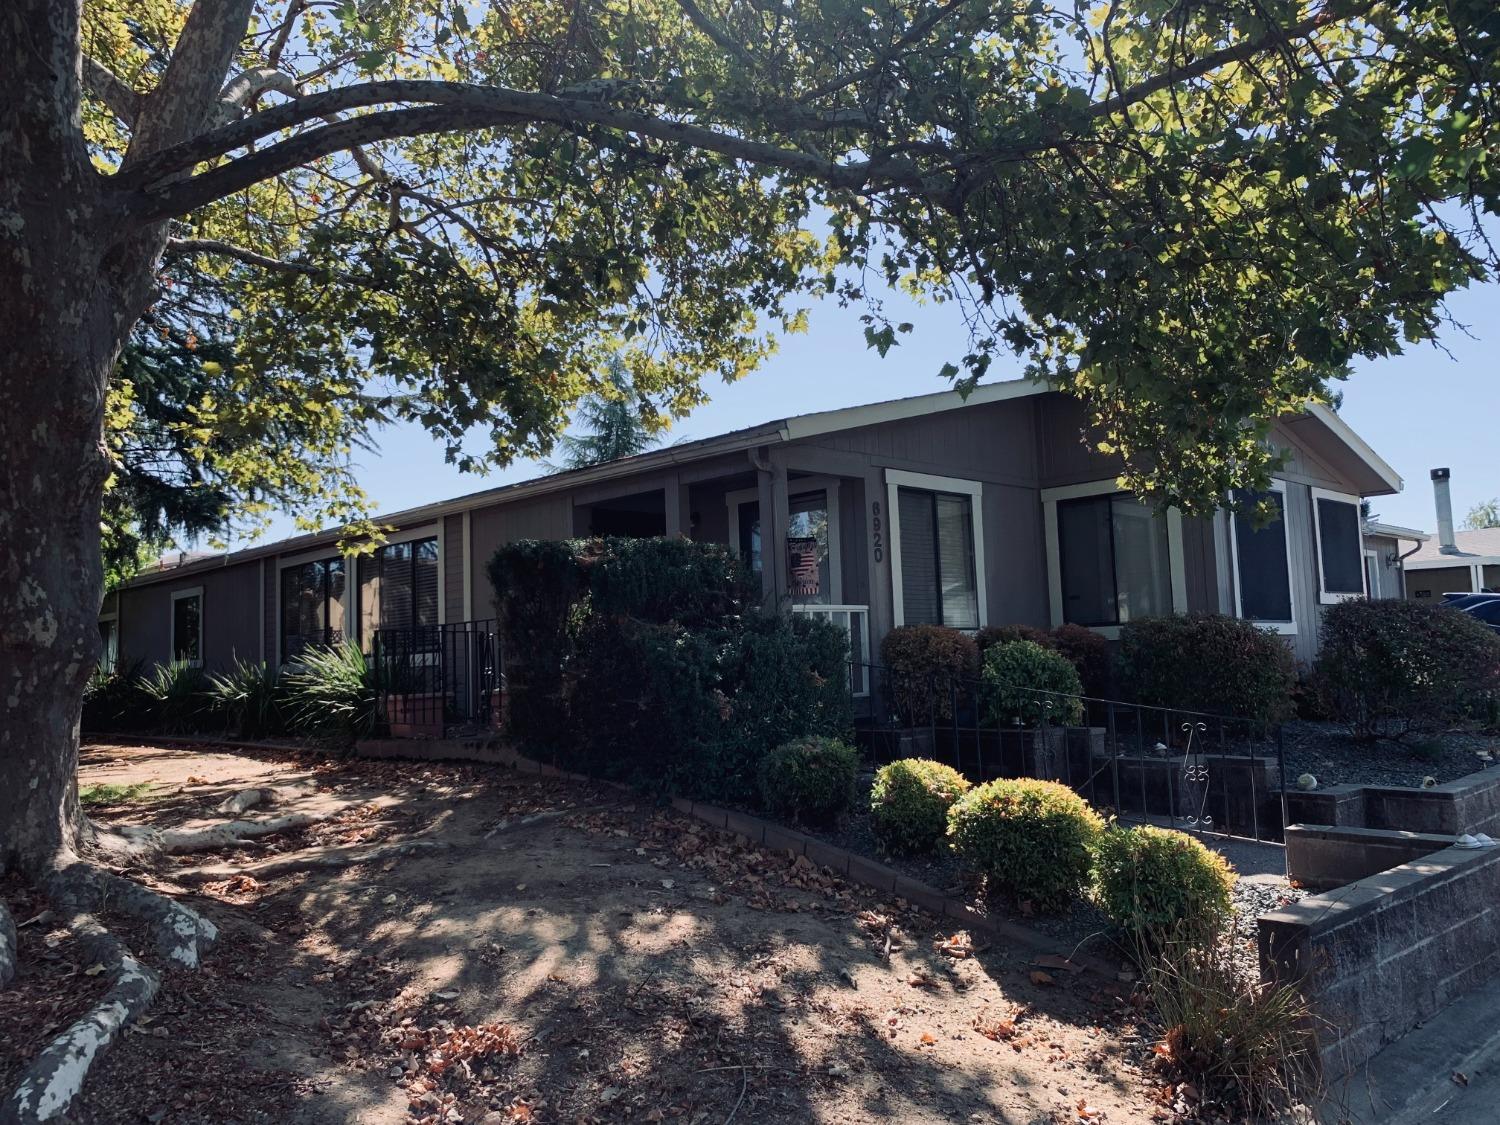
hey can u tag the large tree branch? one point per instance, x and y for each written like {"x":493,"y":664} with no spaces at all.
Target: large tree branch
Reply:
{"x":112,"y":90}
{"x":466,"y":107}
{"x":186,"y":246}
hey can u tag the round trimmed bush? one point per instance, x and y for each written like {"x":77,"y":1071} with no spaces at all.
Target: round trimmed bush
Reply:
{"x":1207,"y":662}
{"x":909,"y":804}
{"x":925,"y":666}
{"x":992,"y":635}
{"x":1155,"y":883}
{"x":808,"y":778}
{"x":1014,"y":676}
{"x":1032,"y":839}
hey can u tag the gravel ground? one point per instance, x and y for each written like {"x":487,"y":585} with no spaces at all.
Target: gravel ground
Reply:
{"x":1334,"y":758}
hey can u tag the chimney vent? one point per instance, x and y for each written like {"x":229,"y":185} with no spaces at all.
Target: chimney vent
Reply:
{"x":1447,"y":545}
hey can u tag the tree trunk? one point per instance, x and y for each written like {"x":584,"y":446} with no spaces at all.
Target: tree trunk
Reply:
{"x":61,"y":325}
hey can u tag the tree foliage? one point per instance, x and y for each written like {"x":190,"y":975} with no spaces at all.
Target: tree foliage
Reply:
{"x":612,"y":426}
{"x":1483,"y":515}
{"x":1192,"y":216}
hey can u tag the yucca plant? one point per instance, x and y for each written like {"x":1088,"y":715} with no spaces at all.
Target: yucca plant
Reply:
{"x":114,"y":701}
{"x":248,"y":698}
{"x":178,"y":697}
{"x":331,"y":693}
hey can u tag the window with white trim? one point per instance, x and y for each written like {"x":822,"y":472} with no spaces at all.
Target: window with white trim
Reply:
{"x":312,"y":605}
{"x":1114,"y":560}
{"x":187,"y":626}
{"x":408,"y":583}
{"x":939,"y":584}
{"x":1341,"y":567}
{"x":1262,"y":558}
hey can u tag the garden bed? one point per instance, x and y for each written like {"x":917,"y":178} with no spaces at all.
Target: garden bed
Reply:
{"x":1330,"y":754}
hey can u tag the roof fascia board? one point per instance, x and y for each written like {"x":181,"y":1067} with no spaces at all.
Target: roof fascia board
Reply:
{"x":898,"y":410}
{"x":1345,"y":433}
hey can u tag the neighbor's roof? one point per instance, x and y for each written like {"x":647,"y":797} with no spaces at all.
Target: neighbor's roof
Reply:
{"x":781,"y":430}
{"x":1481,"y":547}
{"x":1396,"y":531}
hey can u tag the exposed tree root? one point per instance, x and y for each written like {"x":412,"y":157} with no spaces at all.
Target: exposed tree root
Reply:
{"x":310,"y":860}
{"x":247,"y":799}
{"x":7,"y":946}
{"x":55,"y":1077}
{"x":134,"y":842}
{"x":180,"y":934}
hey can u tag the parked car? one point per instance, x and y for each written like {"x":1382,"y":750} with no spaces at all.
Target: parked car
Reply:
{"x":1461,"y":599}
{"x":1485,"y":607}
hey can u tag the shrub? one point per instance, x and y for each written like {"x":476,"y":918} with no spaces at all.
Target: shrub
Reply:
{"x":992,"y":635}
{"x":909,"y":804}
{"x":1155,"y":883}
{"x":115,"y":701}
{"x":660,"y":580}
{"x":1031,"y":839}
{"x":177,"y":698}
{"x":1088,"y":652}
{"x":809,"y":779}
{"x":1207,"y":662}
{"x":925,"y":664}
{"x":1387,"y":669}
{"x":331,"y":693}
{"x":1021,"y":678}
{"x":248,"y":697}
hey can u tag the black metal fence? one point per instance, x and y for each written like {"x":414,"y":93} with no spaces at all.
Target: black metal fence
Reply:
{"x":438,"y":679}
{"x":1186,"y":769}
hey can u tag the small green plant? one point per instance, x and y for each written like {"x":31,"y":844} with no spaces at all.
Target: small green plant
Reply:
{"x":1031,"y":839}
{"x":95,"y":796}
{"x":178,"y":698}
{"x":909,"y":804}
{"x":992,"y":635}
{"x":1026,"y":684}
{"x":1155,"y":883}
{"x":248,"y":696}
{"x":331,"y":693}
{"x":926,"y":666}
{"x":809,"y":779}
{"x":1249,"y":1047}
{"x":1088,"y":652}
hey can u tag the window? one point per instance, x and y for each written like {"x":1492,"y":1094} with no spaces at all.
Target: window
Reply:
{"x":938,"y":554}
{"x":1372,"y":574}
{"x":1340,"y":547}
{"x":406,"y":584}
{"x":1262,"y":565}
{"x":187,"y":626}
{"x":109,"y":643}
{"x":312,"y":605}
{"x":812,"y":539}
{"x":1113,"y":560}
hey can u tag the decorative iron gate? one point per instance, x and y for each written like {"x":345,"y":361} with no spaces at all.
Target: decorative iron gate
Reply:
{"x":437,"y":680}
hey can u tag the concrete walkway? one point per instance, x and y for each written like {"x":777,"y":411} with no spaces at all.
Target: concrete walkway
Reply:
{"x":1446,"y":1071}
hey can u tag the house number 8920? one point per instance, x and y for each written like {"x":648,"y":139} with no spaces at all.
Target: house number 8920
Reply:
{"x":878,"y":528}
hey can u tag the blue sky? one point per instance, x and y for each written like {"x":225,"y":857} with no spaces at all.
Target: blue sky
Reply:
{"x":1426,"y":408}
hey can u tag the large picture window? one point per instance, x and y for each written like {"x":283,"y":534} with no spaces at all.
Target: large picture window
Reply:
{"x":1336,"y":521}
{"x":406,"y":584}
{"x":312,"y":605}
{"x":1263,"y":578}
{"x":937,"y":537}
{"x":1114,"y":560}
{"x":187,"y":626}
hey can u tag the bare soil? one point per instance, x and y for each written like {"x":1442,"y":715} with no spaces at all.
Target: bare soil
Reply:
{"x":569,"y":954}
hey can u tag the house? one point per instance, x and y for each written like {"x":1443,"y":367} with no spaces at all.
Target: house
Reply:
{"x":1388,"y":546}
{"x":1460,"y":561}
{"x":988,"y":509}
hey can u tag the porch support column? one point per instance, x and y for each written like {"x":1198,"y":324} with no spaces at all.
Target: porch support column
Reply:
{"x":878,"y":559}
{"x":770,"y":483}
{"x":678,"y":511}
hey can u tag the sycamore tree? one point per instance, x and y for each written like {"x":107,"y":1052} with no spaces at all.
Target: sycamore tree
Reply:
{"x":1192,"y":216}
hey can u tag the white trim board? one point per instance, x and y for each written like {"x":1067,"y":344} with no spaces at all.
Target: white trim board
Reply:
{"x":896,"y":479}
{"x":1316,"y":494}
{"x":1176,"y":566}
{"x":1284,"y":628}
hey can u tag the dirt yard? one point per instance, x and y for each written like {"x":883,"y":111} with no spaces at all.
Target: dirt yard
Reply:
{"x":554,"y":952}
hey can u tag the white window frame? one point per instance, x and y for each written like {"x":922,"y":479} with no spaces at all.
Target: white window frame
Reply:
{"x":1372,"y":574}
{"x":351,"y":579}
{"x":830,"y":487}
{"x":177,"y":596}
{"x":1175,"y":556}
{"x":895,"y":480}
{"x":1285,"y":628}
{"x":1324,"y":596}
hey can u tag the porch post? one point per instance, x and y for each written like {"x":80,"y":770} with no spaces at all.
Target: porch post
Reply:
{"x":770,"y":484}
{"x":678,"y":509}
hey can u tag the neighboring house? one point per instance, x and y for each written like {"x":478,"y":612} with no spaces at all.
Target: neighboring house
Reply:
{"x":1472,"y":565}
{"x":1387,"y":548}
{"x":965,"y":512}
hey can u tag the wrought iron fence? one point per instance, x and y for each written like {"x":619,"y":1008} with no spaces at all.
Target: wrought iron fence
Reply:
{"x":433,"y":679}
{"x":1192,"y":770}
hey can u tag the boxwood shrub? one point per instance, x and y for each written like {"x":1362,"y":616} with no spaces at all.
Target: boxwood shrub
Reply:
{"x":1207,"y":662}
{"x":925,"y":666}
{"x":1016,"y":672}
{"x":1157,"y":884}
{"x":1386,"y":669}
{"x":808,"y":779}
{"x":909,"y":804}
{"x":1088,"y":652}
{"x":1034,"y":840}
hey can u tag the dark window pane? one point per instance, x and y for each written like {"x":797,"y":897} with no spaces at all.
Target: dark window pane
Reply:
{"x":920,"y":602}
{"x":955,"y":541}
{"x":749,"y":534}
{"x":1265,"y":584}
{"x":425,"y":584}
{"x":1086,"y":548}
{"x":396,"y":586}
{"x":333,"y":602}
{"x":1338,"y":546}
{"x":186,"y":621}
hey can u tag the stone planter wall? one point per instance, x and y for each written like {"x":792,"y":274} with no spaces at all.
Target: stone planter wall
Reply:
{"x":1470,"y":804}
{"x":1320,"y":857}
